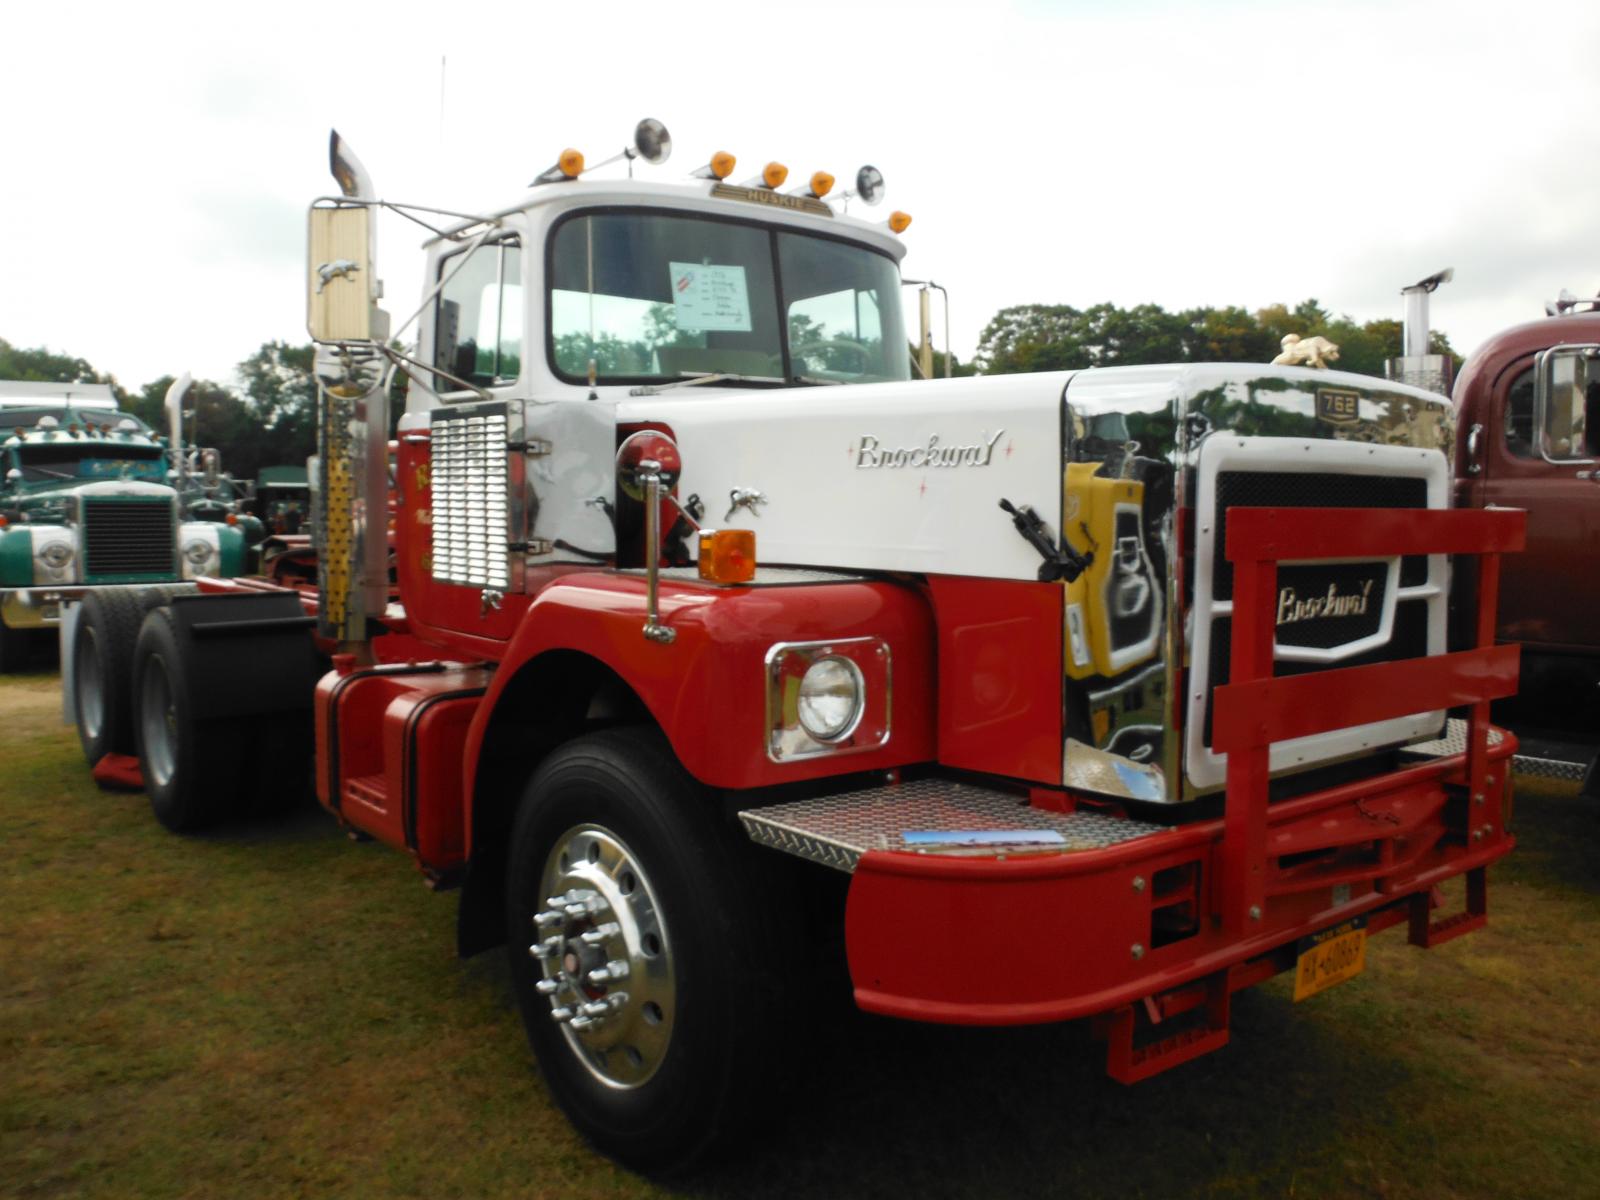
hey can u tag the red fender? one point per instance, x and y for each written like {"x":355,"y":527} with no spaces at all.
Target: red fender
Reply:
{"x":707,"y":688}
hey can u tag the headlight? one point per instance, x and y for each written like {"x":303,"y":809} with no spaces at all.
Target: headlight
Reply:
{"x":55,"y":554}
{"x":830,"y":698}
{"x":199,"y":552}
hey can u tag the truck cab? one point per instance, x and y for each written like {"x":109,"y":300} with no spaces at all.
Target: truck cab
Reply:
{"x":86,"y":503}
{"x":1528,"y":436}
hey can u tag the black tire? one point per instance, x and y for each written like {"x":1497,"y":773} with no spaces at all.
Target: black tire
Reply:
{"x":102,"y":661}
{"x":690,"y":1075}
{"x":190,"y":766}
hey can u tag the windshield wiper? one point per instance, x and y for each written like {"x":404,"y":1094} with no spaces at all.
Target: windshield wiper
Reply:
{"x":812,"y":379}
{"x":691,"y":378}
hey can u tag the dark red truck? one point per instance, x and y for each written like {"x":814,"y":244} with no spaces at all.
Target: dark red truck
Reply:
{"x":1528,"y":436}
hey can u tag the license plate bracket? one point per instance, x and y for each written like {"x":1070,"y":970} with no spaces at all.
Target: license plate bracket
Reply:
{"x":1330,"y":957}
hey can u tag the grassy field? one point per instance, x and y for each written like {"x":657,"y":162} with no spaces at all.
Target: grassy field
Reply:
{"x":275,"y":1011}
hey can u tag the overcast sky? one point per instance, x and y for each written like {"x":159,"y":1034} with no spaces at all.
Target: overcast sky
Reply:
{"x":159,"y":159}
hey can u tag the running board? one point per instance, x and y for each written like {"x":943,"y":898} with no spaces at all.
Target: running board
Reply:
{"x":837,"y":830}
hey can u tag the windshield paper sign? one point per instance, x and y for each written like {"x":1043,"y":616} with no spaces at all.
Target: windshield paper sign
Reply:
{"x":120,"y":468}
{"x":710,"y":298}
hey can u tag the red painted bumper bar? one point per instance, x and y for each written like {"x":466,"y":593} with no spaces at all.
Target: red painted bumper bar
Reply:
{"x":1254,"y":710}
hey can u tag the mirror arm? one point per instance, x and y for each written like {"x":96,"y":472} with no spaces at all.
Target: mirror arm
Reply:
{"x":394,"y":355}
{"x":432,"y":293}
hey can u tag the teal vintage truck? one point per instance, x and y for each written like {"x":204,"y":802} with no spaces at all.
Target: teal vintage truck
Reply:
{"x":88,"y":505}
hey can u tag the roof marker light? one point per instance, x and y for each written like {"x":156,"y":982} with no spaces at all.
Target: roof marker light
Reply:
{"x":720,"y":166}
{"x":899,"y":222}
{"x":821,"y":184}
{"x":568,"y":166}
{"x":773,"y":175}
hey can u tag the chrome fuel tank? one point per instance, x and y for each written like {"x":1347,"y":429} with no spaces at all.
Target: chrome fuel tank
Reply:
{"x":1154,"y":456}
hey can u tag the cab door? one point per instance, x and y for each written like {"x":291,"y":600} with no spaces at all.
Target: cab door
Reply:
{"x":1548,"y":593}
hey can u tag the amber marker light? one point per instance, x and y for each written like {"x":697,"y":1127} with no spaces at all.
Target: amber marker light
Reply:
{"x":821,"y":184}
{"x":728,"y":555}
{"x":899,"y":222}
{"x":571,"y":163}
{"x":722,"y":164}
{"x":773,"y":174}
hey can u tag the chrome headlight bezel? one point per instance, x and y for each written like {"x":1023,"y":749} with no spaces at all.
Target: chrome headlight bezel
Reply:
{"x":56,"y":553}
{"x":859,"y":665}
{"x":197,"y":552}
{"x":192,"y":536}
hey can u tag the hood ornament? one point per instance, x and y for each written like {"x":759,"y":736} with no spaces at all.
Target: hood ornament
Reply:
{"x":1310,"y":352}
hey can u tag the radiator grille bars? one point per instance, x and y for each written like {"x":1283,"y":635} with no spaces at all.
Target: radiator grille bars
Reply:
{"x":469,"y":480}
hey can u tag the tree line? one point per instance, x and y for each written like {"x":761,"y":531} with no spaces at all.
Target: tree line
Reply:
{"x":269,"y":419}
{"x":1058,"y":337}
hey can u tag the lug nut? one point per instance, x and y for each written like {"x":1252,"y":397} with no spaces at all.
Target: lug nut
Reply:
{"x":547,"y":987}
{"x":600,"y":933}
{"x":580,"y":1023}
{"x":548,"y":918}
{"x":549,"y":948}
{"x":561,"y":1015}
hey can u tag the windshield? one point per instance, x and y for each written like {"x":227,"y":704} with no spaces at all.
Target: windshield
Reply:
{"x":41,"y":461}
{"x":658,"y":297}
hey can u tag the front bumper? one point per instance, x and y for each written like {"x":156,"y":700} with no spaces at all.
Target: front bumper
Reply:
{"x":38,"y":607}
{"x":1017,"y":938}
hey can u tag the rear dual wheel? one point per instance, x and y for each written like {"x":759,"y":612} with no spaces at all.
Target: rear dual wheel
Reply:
{"x":649,"y":959}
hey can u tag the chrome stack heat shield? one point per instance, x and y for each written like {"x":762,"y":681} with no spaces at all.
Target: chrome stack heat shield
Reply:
{"x":352,"y":493}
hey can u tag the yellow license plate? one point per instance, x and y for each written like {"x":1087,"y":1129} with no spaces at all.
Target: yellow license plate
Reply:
{"x":1330,"y":957}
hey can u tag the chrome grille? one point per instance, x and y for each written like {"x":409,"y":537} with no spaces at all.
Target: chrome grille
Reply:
{"x":128,"y":537}
{"x":470,"y":482}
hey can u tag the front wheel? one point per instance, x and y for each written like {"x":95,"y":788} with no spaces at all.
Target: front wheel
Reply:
{"x":648,"y":959}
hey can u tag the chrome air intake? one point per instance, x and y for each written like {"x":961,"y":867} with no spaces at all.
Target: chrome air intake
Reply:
{"x":471,"y":484}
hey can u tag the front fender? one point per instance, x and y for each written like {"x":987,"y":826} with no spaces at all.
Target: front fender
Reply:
{"x":16,"y":556}
{"x":707,"y":688}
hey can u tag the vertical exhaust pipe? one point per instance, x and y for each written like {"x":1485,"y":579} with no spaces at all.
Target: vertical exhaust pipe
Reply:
{"x":174,"y":406}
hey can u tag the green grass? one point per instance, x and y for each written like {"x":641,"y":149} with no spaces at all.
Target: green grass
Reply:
{"x":275,"y":1011}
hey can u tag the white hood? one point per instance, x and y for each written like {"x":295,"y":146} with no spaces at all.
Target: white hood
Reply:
{"x":886,"y":477}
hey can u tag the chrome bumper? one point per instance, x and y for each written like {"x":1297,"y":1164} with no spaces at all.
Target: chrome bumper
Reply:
{"x":38,"y":607}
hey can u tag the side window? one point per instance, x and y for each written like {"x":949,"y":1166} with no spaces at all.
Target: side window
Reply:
{"x":478,"y":337}
{"x":1519,"y":416}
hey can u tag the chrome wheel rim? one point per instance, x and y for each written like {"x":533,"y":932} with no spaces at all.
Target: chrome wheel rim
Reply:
{"x":89,"y":686}
{"x":158,"y":722}
{"x":606,"y":963}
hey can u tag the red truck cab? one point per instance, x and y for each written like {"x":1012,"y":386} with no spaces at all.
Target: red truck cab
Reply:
{"x":1520,"y":445}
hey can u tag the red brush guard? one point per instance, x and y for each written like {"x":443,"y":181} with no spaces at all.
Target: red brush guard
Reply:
{"x":1154,"y":934}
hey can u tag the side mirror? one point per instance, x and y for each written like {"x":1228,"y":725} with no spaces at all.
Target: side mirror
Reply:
{"x":341,"y":293}
{"x":1566,"y":403}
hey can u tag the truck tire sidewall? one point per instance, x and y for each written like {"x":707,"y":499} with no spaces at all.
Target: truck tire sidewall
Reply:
{"x":102,"y":660}
{"x":201,"y":756}
{"x":723,"y":1052}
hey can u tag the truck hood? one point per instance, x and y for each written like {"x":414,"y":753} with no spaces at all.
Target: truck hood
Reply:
{"x":886,"y":477}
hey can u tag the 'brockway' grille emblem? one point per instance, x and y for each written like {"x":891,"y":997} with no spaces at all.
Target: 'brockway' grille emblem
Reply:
{"x":1333,"y":603}
{"x":871,"y":453}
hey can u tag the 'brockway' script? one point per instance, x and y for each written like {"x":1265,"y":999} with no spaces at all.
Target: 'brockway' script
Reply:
{"x":871,"y":454}
{"x":1334,"y":604}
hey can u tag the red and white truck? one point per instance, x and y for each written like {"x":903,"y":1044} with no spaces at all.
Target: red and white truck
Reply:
{"x":1098,"y":694}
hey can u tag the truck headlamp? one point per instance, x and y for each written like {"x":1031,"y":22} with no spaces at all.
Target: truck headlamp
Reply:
{"x":830,"y":701}
{"x":55,"y":555}
{"x":199,"y":551}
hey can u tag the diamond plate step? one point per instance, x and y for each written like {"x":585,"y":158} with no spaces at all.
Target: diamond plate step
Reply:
{"x":1454,"y":741}
{"x":837,"y":830}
